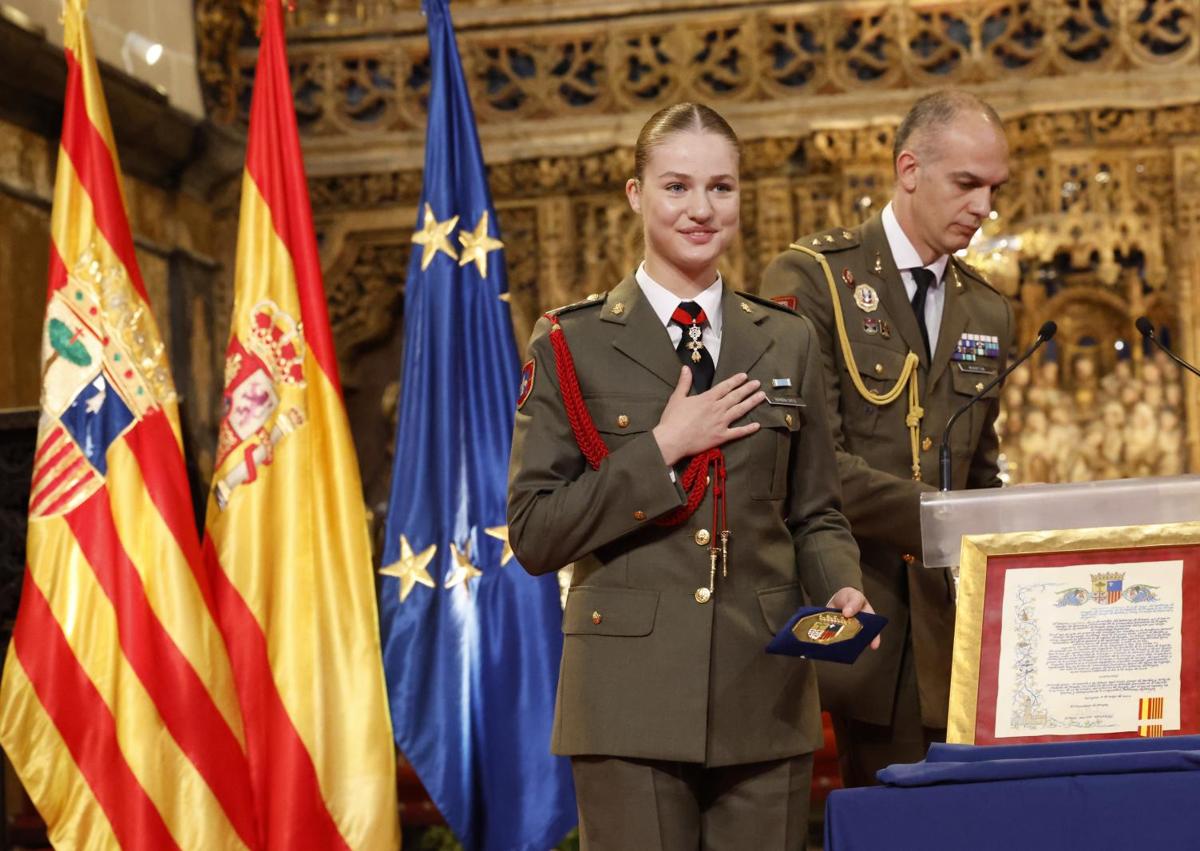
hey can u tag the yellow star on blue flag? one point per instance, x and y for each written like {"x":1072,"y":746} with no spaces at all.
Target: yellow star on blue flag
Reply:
{"x":476,"y":245}
{"x":411,"y":568}
{"x":463,"y":570}
{"x":434,"y":236}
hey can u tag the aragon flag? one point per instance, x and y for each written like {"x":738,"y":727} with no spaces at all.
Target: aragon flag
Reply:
{"x":287,"y":542}
{"x":119,"y":711}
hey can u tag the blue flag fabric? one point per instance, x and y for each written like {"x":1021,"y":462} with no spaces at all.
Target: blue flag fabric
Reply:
{"x":471,"y":642}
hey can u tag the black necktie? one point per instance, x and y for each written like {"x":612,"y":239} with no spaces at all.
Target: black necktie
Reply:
{"x":690,"y":316}
{"x":924,"y":280}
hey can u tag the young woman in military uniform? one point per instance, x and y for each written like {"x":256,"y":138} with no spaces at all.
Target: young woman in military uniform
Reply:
{"x":671,"y":441}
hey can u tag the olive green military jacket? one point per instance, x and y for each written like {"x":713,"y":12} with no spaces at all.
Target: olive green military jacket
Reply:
{"x":874,"y":450}
{"x":648,"y":671}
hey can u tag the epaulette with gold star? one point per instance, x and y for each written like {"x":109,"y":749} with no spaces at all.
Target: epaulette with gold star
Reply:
{"x":834,"y":239}
{"x":592,"y":300}
{"x":766,"y":302}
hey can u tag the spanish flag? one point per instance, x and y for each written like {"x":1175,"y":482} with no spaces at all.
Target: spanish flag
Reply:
{"x":287,"y":542}
{"x":119,"y":710}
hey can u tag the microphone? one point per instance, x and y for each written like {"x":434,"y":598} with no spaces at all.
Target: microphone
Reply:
{"x":1044,"y":334}
{"x":1147,"y":331}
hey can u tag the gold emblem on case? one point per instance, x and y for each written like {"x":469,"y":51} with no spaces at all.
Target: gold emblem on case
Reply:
{"x":826,"y":628}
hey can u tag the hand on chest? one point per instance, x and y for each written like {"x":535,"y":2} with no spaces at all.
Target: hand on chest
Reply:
{"x":627,"y":399}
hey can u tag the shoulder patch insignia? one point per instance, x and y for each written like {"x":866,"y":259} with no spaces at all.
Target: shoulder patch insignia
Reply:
{"x":527,"y":373}
{"x":788,"y":301}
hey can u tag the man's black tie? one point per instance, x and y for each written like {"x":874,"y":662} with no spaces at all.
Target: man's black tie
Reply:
{"x":690,"y":317}
{"x":924,"y":279}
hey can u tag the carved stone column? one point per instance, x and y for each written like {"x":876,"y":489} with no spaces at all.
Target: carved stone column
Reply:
{"x":556,"y":250}
{"x":774,"y":218}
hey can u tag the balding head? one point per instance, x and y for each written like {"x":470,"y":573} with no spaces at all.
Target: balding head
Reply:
{"x":925,"y":125}
{"x":951,"y":158}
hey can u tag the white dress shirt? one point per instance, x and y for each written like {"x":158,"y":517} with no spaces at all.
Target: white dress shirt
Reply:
{"x":907,"y":258}
{"x":664,"y":303}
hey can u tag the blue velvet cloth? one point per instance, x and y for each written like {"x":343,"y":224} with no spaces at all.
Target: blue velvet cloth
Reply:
{"x":942,"y":752}
{"x":1125,"y":793}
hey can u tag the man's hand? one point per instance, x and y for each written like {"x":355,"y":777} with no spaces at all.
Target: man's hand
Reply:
{"x":693,"y":424}
{"x":852,"y":601}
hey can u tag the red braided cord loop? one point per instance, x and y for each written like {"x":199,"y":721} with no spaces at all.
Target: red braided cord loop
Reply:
{"x":695,"y":482}
{"x":591,"y":444}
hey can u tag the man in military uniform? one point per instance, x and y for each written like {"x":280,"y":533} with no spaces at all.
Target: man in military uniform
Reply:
{"x":679,"y":724}
{"x":908,"y":332}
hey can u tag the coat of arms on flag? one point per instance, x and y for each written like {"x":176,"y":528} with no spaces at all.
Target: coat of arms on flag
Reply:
{"x":95,"y":384}
{"x":263,"y":360}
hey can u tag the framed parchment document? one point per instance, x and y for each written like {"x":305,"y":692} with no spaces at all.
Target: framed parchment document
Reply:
{"x":1077,"y":634}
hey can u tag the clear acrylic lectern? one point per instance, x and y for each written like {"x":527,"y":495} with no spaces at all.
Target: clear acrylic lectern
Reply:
{"x":947,"y":516}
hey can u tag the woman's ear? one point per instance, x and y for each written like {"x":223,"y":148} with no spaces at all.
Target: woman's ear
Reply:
{"x":633,"y":191}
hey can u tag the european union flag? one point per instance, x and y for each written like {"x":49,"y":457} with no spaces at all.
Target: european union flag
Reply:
{"x":471,"y":643}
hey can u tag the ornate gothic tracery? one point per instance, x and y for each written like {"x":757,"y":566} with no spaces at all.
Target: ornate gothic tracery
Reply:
{"x":1096,"y":227}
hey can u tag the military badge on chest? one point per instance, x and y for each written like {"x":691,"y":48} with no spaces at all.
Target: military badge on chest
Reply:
{"x":866,"y":298}
{"x":874,"y":326}
{"x":971,"y":347}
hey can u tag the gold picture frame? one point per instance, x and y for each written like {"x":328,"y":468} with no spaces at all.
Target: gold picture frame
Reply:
{"x":976,"y":552}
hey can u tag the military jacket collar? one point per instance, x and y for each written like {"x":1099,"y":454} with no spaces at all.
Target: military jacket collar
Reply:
{"x":664,"y":302}
{"x":644,"y":340}
{"x":903,"y":253}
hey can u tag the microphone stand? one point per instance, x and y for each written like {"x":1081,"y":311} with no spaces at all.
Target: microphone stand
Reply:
{"x":1147,"y":330}
{"x":944,"y":464}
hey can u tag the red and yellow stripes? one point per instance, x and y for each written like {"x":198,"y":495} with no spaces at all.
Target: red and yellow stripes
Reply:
{"x":1150,"y":709}
{"x":119,"y":710}
{"x":289,"y":552}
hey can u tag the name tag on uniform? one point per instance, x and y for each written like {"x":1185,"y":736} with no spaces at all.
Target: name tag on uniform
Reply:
{"x":786,"y":401}
{"x":976,"y":369}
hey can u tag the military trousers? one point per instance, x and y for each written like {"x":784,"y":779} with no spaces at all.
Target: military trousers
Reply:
{"x":658,"y":805}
